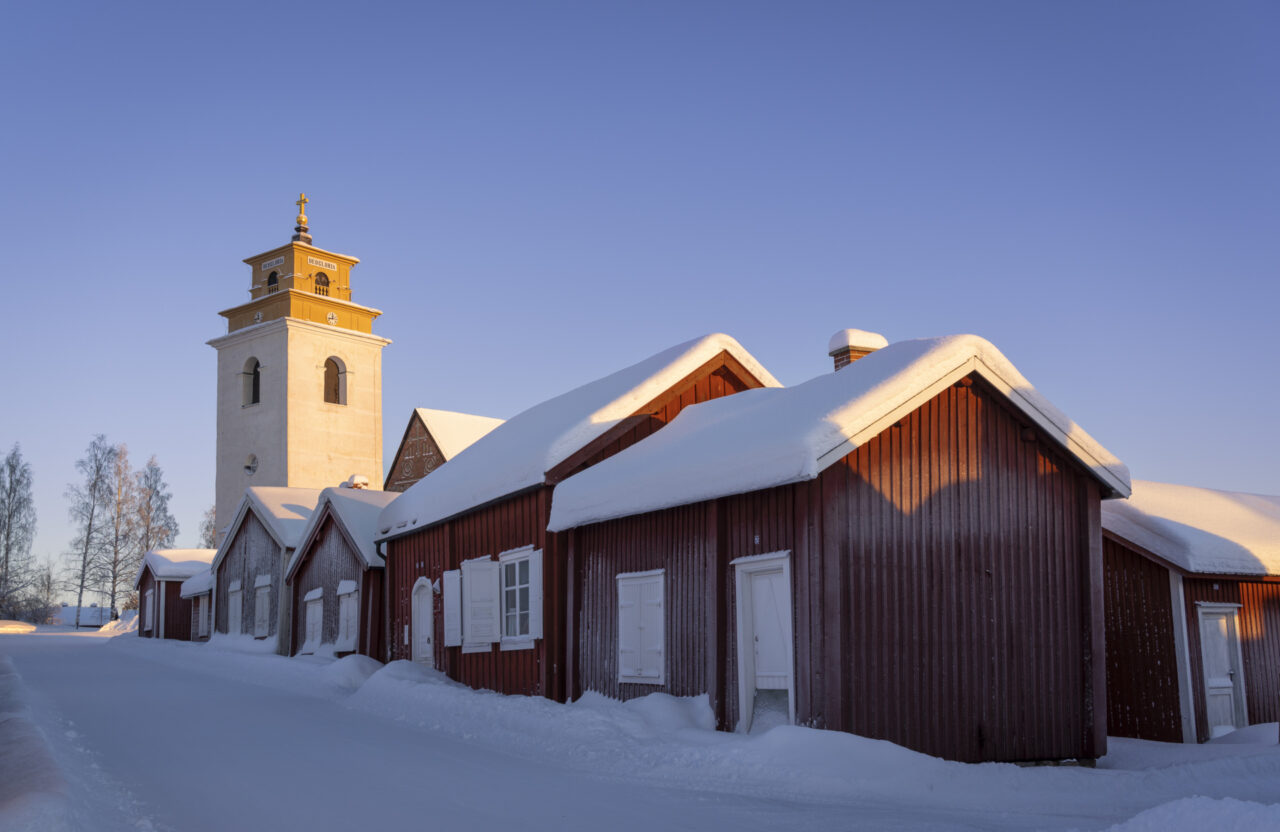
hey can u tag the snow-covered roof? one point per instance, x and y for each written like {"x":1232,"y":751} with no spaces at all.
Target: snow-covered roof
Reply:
{"x":453,"y":431}
{"x":93,"y":616}
{"x":198,"y":584}
{"x":1200,"y":529}
{"x":357,"y":509}
{"x":283,"y":510}
{"x":174,"y":564}
{"x":763,"y":438}
{"x":518,"y":453}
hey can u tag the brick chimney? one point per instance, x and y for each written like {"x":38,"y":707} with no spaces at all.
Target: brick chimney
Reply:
{"x":848,"y":345}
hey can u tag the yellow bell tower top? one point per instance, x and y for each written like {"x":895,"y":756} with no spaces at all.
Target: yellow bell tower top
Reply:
{"x":298,"y":280}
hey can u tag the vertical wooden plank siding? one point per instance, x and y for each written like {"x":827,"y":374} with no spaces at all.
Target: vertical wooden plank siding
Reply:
{"x":510,"y":524}
{"x":676,"y":540}
{"x":968,"y":588}
{"x":177,"y":611}
{"x":253,"y":552}
{"x":946,"y":578}
{"x":1142,"y":667}
{"x":1258,"y":628}
{"x":328,"y":561}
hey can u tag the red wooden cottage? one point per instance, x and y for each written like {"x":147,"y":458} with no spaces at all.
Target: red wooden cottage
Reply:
{"x":163,"y":613}
{"x":1193,"y":612}
{"x":198,"y":591}
{"x":249,"y":569}
{"x":334,"y":580}
{"x":432,"y":438}
{"x":475,"y":582}
{"x":908,"y":549}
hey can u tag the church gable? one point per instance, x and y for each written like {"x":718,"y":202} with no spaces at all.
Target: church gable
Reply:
{"x":418,"y":455}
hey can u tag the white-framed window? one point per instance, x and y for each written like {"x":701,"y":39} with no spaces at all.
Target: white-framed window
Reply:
{"x":148,"y":620}
{"x":481,"y":617}
{"x":521,"y":597}
{"x":313,"y":624}
{"x":262,"y":606}
{"x":641,"y":628}
{"x":348,"y":616}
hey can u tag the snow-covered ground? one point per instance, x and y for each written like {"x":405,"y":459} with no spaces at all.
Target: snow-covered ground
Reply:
{"x":127,"y":733}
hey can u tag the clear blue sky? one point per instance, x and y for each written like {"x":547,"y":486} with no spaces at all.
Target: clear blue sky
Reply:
{"x":543,"y":192}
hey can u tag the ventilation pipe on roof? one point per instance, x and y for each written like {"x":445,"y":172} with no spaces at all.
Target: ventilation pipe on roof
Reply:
{"x":356,"y":481}
{"x":848,"y":345}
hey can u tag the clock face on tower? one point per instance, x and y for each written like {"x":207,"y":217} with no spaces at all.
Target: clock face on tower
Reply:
{"x":332,"y":319}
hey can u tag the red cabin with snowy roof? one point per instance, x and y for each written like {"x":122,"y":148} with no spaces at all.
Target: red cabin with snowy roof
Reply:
{"x":907,"y":549}
{"x":162,"y":611}
{"x":476,"y":584}
{"x":1193,"y":612}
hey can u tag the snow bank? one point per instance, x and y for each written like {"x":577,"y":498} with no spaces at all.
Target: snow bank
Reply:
{"x":32,"y":787}
{"x":1197,"y":814}
{"x":16,"y":627}
{"x":350,"y":672}
{"x":518,"y":453}
{"x":759,"y":439}
{"x":1200,"y":529}
{"x":126,"y":623}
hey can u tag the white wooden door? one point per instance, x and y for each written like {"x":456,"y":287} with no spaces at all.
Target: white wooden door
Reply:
{"x":423,"y":627}
{"x":235,"y":609}
{"x":1222,"y":676}
{"x":772,"y":633}
{"x":314,"y":625}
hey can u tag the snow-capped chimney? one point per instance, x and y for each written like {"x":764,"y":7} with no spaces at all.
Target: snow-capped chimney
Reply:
{"x":848,"y":345}
{"x":356,"y":481}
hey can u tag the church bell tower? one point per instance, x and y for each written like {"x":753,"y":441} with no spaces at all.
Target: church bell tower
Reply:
{"x":299,"y":376}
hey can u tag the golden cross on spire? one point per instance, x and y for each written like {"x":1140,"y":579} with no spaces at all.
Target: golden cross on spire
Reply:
{"x":302,"y":209}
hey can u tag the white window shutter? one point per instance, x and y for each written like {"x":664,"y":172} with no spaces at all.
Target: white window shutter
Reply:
{"x":628,"y":630}
{"x":535,"y":594}
{"x":235,"y":612}
{"x":481,"y":616}
{"x":262,"y":612}
{"x":452,"y":608}
{"x":652,"y":632}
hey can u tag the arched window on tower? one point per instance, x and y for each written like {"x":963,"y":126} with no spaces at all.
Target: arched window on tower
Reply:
{"x":251,"y":381}
{"x":335,"y":381}
{"x":273,"y":282}
{"x":322,"y":284}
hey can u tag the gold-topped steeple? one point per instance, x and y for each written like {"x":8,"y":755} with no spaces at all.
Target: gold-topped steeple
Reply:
{"x":300,"y":233}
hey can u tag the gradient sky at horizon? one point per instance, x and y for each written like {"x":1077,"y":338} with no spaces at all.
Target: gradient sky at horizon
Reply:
{"x":541,"y":193}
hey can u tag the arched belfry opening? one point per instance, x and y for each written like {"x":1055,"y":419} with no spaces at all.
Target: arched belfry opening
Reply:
{"x":322,"y":284}
{"x":251,"y":383}
{"x":273,"y":283}
{"x":335,"y":381}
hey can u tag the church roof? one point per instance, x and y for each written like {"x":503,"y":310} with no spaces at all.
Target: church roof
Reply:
{"x":452,"y":431}
{"x":517,"y":454}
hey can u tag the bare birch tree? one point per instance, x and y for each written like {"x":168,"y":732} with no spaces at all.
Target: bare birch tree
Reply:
{"x":17,"y":531}
{"x":113,"y":569}
{"x":90,"y":506}
{"x":209,"y":529}
{"x":155,"y":527}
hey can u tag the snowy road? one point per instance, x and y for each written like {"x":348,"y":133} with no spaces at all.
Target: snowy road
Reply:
{"x":184,"y":751}
{"x":168,"y":736}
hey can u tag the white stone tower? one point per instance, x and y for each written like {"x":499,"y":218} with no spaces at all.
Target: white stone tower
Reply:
{"x":299,"y":376}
